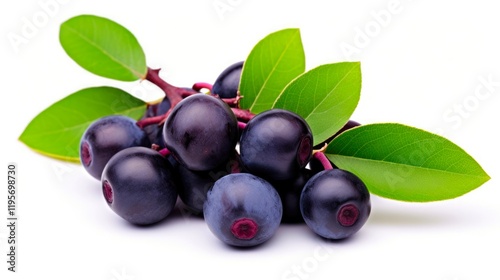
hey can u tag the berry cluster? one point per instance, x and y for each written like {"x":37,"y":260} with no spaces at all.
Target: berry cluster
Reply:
{"x":244,"y":175}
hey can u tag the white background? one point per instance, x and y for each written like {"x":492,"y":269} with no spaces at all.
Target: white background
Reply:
{"x":419,"y":65}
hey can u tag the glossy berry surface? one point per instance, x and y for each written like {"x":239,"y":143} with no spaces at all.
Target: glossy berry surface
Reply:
{"x":194,"y":185}
{"x":276,"y":144}
{"x":290,"y":191}
{"x":243,"y":210}
{"x":335,"y":204}
{"x":226,"y":85}
{"x":106,"y":137}
{"x":201,"y":132}
{"x":155,"y":132}
{"x":138,"y":185}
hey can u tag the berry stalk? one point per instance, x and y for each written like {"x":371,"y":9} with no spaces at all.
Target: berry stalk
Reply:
{"x":153,"y":120}
{"x":164,"y":152}
{"x":233,"y":102}
{"x":176,"y":94}
{"x":200,"y":86}
{"x":242,"y":125}
{"x":242,"y":114}
{"x":325,"y":162}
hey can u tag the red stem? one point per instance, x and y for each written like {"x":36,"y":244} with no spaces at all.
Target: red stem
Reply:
{"x":173,"y":93}
{"x":186,"y":92}
{"x":232,"y":102}
{"x":164,"y":152}
{"x":241,"y":125}
{"x":242,"y":114}
{"x":153,"y":120}
{"x":321,"y":157}
{"x":200,"y":86}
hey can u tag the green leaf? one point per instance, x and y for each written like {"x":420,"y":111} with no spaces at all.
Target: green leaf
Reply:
{"x":57,"y":130}
{"x":270,"y":66}
{"x":325,"y":97}
{"x":405,"y":163}
{"x":103,"y":47}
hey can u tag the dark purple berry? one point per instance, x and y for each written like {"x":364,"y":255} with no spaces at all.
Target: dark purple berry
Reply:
{"x":201,"y":132}
{"x":158,"y":108}
{"x":138,"y":185}
{"x":104,"y":138}
{"x":290,"y":191}
{"x":276,"y":144}
{"x":154,"y":131}
{"x":243,"y":210}
{"x":335,"y":204}
{"x":194,"y":185}
{"x":226,"y":85}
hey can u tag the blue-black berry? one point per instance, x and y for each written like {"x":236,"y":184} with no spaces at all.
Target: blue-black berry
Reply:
{"x":104,"y":138}
{"x":243,"y":210}
{"x":335,"y":203}
{"x":138,"y":185}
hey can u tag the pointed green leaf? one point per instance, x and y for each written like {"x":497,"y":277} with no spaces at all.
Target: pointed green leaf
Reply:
{"x":325,"y":97}
{"x":103,"y":47}
{"x":57,"y":130}
{"x":405,"y":163}
{"x":271,"y":65}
